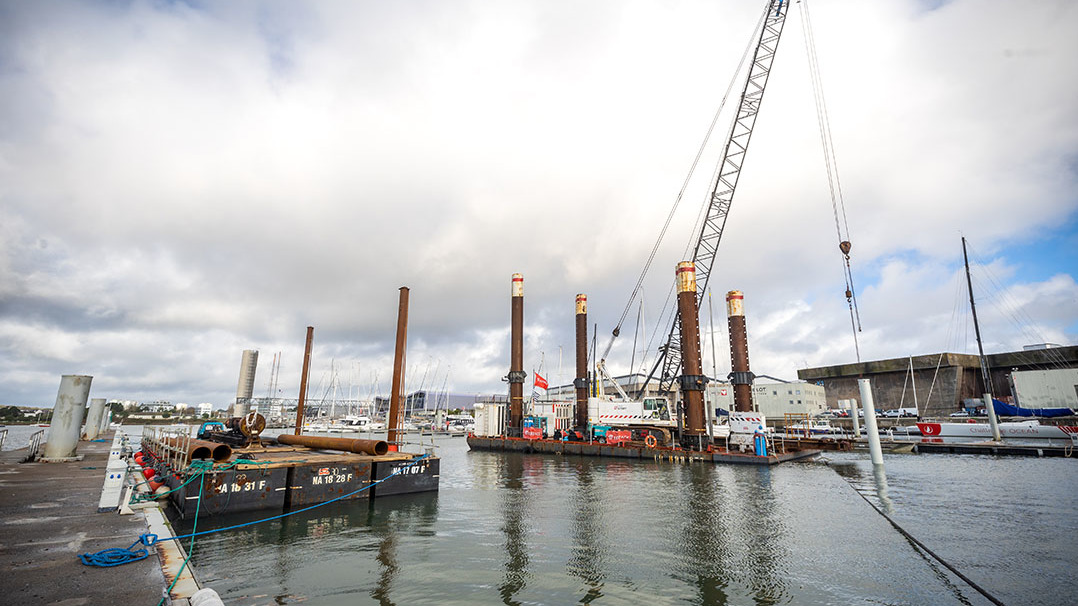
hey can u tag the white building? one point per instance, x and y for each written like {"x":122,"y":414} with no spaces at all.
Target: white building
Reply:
{"x":1056,"y":388}
{"x":773,"y":400}
{"x":205,"y":408}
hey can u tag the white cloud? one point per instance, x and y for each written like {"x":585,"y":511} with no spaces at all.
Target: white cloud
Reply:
{"x":181,"y":184}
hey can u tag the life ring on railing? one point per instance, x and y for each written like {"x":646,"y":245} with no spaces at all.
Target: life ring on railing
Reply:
{"x":650,"y":441}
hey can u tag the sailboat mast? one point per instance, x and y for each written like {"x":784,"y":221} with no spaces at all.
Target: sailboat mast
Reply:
{"x":976,"y":326}
{"x":989,"y":404}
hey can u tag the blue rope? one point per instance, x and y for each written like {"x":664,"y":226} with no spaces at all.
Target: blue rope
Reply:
{"x":114,"y":556}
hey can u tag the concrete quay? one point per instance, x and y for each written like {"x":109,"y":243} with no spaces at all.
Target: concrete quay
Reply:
{"x":48,"y":516}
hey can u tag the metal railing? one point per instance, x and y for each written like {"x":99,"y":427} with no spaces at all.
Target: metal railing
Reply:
{"x":171,"y":445}
{"x":3,"y":438}
{"x":35,"y":446}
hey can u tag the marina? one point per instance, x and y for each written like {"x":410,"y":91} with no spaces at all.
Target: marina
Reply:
{"x":569,"y":459}
{"x":543,"y":528}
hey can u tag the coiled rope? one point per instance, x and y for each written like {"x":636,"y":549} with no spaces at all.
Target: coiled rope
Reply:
{"x":115,"y":556}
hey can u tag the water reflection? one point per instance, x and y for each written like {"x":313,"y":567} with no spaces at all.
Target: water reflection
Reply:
{"x":707,"y":551}
{"x":514,"y":511}
{"x":387,"y":519}
{"x":765,"y":528}
{"x":853,"y":472}
{"x":284,"y":546}
{"x":879,"y":476}
{"x":855,"y":475}
{"x":588,"y":545}
{"x":732,"y":539}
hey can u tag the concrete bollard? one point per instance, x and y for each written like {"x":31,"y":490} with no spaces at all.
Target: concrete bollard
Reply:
{"x":206,"y":597}
{"x":93,"y":418}
{"x":63,"y":438}
{"x":106,"y":418}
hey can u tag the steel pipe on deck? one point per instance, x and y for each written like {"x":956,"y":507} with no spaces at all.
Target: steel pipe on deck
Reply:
{"x":200,"y":449}
{"x":372,"y":447}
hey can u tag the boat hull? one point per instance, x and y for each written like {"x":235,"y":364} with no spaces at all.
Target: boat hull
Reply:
{"x":1024,"y":430}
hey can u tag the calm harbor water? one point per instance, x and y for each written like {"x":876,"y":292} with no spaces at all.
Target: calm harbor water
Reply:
{"x":536,"y":529}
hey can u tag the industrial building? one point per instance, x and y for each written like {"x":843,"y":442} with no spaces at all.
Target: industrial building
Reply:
{"x":942,"y":383}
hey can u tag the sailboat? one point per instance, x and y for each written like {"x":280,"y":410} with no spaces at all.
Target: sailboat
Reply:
{"x":994,"y":430}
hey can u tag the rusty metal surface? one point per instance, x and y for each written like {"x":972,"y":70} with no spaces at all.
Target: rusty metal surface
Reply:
{"x":317,"y":483}
{"x":284,"y":477}
{"x":357,"y":445}
{"x":393,"y":419}
{"x":200,"y":450}
{"x":420,"y":477}
{"x":303,"y":380}
{"x":516,"y":358}
{"x":630,"y":452}
{"x":231,"y":491}
{"x":695,"y":423}
{"x":581,"y":383}
{"x":739,"y":349}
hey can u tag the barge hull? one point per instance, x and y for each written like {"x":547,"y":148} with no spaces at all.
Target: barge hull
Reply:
{"x":284,"y":479}
{"x":420,"y":477}
{"x":629,"y":452}
{"x":230,"y":491}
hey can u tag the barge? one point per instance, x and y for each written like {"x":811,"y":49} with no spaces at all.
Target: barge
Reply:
{"x":277,"y":477}
{"x":650,"y":427}
{"x":634,"y":451}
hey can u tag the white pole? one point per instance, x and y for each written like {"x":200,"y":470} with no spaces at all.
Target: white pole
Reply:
{"x":993,"y":422}
{"x":874,"y":448}
{"x":856,"y":420}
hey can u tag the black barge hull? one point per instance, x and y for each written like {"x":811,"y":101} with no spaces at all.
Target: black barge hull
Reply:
{"x":497,"y":443}
{"x":290,"y":478}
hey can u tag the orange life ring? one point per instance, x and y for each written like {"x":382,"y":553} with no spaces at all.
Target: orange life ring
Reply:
{"x":650,"y":441}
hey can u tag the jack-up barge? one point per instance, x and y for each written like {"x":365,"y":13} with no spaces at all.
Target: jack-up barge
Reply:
{"x":645,"y":429}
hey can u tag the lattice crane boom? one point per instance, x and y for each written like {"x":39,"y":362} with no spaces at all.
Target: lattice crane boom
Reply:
{"x":722,"y":192}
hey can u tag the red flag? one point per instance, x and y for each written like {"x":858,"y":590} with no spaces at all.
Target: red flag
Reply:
{"x":540,"y":382}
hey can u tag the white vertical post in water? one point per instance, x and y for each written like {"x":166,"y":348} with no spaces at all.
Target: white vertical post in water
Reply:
{"x":869,"y":405}
{"x":63,"y":438}
{"x":93,"y":418}
{"x":993,"y":422}
{"x":856,"y":420}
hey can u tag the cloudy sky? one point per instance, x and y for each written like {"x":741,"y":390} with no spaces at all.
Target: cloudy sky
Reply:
{"x":180,"y":181}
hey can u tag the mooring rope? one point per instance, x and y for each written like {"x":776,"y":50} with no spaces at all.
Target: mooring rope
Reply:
{"x":924,"y":548}
{"x":115,"y":556}
{"x":191,"y":549}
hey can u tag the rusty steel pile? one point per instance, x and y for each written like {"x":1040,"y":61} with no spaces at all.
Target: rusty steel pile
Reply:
{"x":645,"y":429}
{"x":247,"y":473}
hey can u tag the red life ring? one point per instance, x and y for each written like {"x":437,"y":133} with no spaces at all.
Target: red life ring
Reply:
{"x":650,"y":441}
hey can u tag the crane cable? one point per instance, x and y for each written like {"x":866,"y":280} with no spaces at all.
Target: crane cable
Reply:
{"x":838,"y":205}
{"x":681,"y":192}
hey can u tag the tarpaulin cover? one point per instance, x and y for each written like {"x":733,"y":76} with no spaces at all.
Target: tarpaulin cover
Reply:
{"x":1004,"y":409}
